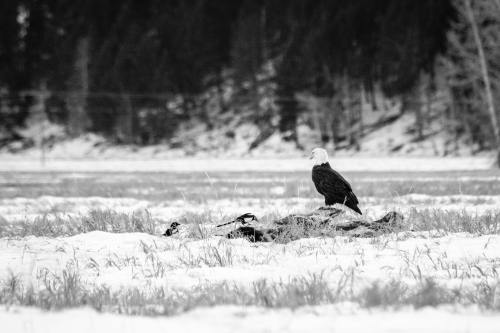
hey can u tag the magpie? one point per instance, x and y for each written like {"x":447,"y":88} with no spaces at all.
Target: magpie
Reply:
{"x":172,"y":230}
{"x":243,"y":219}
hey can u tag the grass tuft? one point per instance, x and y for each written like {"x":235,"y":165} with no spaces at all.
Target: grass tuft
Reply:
{"x":56,"y":225}
{"x":453,"y":221}
{"x":67,"y":291}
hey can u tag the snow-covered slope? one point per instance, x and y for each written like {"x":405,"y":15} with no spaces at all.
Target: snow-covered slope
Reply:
{"x":230,"y":319}
{"x":145,"y":163}
{"x":387,"y":133}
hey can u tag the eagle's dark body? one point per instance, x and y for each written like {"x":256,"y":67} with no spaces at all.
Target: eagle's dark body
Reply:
{"x":334,"y":187}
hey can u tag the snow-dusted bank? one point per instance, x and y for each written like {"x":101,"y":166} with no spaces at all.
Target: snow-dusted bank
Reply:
{"x":253,"y":319}
{"x":295,"y":281}
{"x":10,"y":164}
{"x":28,"y":209}
{"x":135,"y":260}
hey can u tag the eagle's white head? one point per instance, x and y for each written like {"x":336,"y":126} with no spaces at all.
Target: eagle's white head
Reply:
{"x":319,"y":156}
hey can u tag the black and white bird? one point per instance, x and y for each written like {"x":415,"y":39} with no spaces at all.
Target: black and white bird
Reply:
{"x":172,"y":230}
{"x":330,"y":183}
{"x":243,"y":219}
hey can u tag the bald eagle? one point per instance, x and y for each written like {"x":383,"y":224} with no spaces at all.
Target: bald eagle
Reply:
{"x":330,"y":183}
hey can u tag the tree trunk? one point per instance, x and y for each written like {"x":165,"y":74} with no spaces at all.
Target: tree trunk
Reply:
{"x":349,"y":110}
{"x":454,"y":120}
{"x":39,"y":118}
{"x":362,"y":102}
{"x":126,"y":120}
{"x":373,"y":98}
{"x":486,"y":78}
{"x":289,"y":113}
{"x":79,"y":85}
{"x":327,"y":112}
{"x":316,"y":119}
{"x":419,"y":105}
{"x":497,"y":2}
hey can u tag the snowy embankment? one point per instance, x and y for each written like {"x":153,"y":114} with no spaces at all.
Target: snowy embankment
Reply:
{"x":386,"y":134}
{"x":116,"y":262}
{"x":130,"y":260}
{"x":139,"y":164}
{"x":253,"y":319}
{"x":27,"y":209}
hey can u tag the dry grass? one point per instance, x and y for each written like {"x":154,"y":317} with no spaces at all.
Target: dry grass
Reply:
{"x":453,"y":221}
{"x":55,"y":225}
{"x":66,"y":291}
{"x":413,"y":287}
{"x":441,"y":221}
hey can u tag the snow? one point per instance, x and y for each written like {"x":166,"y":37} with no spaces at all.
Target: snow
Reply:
{"x":387,"y":132}
{"x":398,"y":138}
{"x":26,"y":209}
{"x":19,"y":209}
{"x":388,"y":257}
{"x":147,"y":164}
{"x":128,"y":260}
{"x":253,"y":319}
{"x":214,"y":150}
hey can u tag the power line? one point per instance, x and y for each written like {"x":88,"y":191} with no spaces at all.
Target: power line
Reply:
{"x":94,"y":94}
{"x":160,"y":96}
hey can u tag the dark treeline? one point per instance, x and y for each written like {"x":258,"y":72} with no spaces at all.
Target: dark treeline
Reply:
{"x":133,"y":70}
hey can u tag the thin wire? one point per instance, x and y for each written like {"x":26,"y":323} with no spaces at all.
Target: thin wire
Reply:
{"x":93,"y":93}
{"x":37,"y":93}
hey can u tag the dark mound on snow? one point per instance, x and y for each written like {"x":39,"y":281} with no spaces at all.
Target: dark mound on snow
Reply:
{"x":321,"y":222}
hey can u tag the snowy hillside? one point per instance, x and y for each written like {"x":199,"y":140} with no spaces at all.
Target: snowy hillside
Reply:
{"x":388,"y":134}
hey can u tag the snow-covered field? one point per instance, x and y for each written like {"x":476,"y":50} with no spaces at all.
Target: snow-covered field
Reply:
{"x":440,"y":273}
{"x":344,"y":318}
{"x":152,"y":164}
